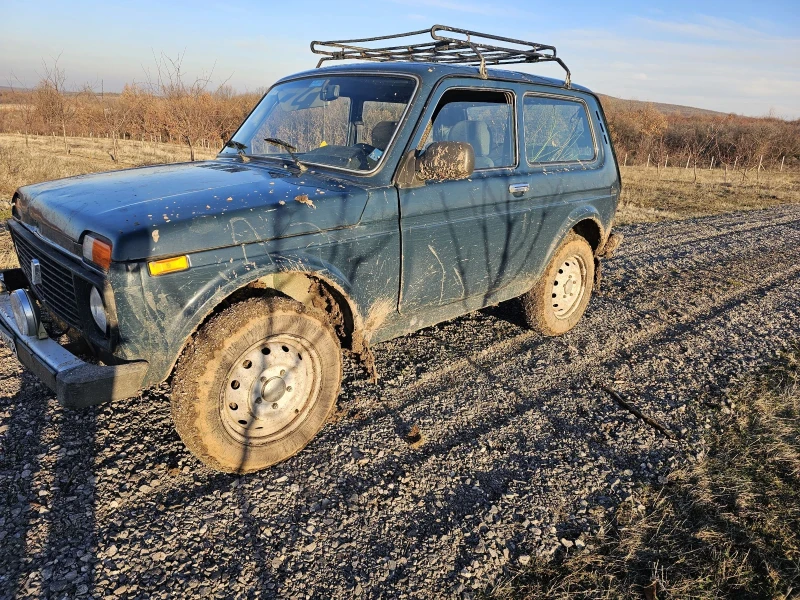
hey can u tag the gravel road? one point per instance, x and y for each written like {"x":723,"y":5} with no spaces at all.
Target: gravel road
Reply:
{"x":521,"y":452}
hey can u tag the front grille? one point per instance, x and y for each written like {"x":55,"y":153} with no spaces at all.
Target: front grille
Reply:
{"x":57,"y":290}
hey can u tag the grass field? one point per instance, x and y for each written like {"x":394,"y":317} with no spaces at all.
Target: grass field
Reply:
{"x":724,"y":526}
{"x":45,"y":158}
{"x":654,"y":195}
{"x":648,"y":194}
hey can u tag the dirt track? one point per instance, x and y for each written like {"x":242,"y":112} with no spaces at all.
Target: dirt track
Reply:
{"x":521,"y":448}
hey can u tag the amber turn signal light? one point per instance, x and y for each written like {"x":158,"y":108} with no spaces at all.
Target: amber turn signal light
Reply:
{"x":97,"y":251}
{"x":168,"y":265}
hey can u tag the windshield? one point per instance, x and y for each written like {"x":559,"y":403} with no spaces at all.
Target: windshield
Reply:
{"x":345,"y":122}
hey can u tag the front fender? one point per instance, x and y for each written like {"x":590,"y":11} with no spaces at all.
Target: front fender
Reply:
{"x":171,"y":307}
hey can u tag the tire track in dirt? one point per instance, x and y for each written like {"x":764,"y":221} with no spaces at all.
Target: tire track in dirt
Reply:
{"x":496,"y":352}
{"x":742,"y":300}
{"x":500,"y":354}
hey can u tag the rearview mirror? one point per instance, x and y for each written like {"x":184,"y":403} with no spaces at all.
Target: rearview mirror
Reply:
{"x":330,"y":93}
{"x":446,"y":161}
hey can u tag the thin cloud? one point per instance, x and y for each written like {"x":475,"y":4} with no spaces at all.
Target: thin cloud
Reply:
{"x":632,"y":62}
{"x":707,"y":28}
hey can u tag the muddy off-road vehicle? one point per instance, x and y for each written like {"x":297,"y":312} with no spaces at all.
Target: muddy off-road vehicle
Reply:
{"x":355,"y":204}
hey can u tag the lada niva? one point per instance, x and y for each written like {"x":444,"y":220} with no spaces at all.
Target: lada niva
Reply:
{"x":355,"y":204}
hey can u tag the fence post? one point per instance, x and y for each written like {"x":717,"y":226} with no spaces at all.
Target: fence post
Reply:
{"x":687,"y":161}
{"x":712,"y":164}
{"x":782,"y":159}
{"x":648,"y":161}
{"x":760,"y":160}
{"x":666,"y":160}
{"x":625,"y":163}
{"x":735,"y":160}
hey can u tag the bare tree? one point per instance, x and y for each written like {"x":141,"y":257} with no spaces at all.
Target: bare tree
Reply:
{"x":24,"y":104}
{"x":52,"y":100}
{"x":189,"y":105}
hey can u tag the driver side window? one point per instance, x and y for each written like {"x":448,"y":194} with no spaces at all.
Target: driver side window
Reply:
{"x":483,"y":119}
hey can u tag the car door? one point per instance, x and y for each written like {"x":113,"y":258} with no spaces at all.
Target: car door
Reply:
{"x":462,"y":239}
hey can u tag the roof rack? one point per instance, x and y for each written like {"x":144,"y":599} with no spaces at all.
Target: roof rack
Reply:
{"x":444,"y":49}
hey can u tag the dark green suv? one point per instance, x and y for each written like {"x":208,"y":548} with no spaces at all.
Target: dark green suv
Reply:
{"x":355,"y":204}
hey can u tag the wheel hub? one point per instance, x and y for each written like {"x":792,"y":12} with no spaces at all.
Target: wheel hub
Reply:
{"x":569,"y":286}
{"x":270,"y":389}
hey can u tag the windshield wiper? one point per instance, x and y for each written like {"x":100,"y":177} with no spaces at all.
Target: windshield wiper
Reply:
{"x":291,"y":149}
{"x":239,"y":149}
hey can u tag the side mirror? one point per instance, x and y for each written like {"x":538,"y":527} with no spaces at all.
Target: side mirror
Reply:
{"x":446,"y":161}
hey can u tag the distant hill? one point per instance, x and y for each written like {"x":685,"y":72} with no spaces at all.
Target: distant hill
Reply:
{"x":667,"y":109}
{"x":9,"y":95}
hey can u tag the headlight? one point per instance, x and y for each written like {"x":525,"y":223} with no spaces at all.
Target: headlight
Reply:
{"x":24,"y":312}
{"x":98,"y":309}
{"x":97,"y":251}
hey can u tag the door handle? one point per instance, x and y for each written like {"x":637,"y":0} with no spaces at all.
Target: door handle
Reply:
{"x":518,"y":188}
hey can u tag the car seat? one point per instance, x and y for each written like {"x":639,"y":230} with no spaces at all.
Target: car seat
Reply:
{"x":477,"y":134}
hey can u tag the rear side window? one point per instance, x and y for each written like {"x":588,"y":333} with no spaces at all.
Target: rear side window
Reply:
{"x":556,"y":130}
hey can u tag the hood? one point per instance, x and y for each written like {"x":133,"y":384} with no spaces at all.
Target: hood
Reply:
{"x":180,"y":208}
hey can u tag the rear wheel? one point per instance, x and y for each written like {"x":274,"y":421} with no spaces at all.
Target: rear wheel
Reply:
{"x":256,"y":384}
{"x":558,"y":300}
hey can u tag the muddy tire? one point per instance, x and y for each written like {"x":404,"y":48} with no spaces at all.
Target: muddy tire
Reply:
{"x":558,"y":300}
{"x":256,"y":384}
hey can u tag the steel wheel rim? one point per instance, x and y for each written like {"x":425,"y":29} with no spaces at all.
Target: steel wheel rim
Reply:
{"x":270,"y":389}
{"x":569,"y":286}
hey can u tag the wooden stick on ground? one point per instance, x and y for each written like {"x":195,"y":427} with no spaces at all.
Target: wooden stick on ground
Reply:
{"x":636,"y":412}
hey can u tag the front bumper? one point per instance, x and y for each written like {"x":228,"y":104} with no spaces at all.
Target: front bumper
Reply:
{"x":75,"y":382}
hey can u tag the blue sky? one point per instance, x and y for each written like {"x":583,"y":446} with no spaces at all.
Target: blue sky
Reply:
{"x":731,"y":56}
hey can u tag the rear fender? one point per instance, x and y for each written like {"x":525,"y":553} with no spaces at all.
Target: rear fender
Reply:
{"x":582,"y":213}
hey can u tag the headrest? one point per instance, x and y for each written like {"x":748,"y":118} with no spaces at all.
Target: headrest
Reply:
{"x":473,"y":132}
{"x":382,"y":133}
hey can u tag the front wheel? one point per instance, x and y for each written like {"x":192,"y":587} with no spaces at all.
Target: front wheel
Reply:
{"x":256,"y":384}
{"x":558,"y":300}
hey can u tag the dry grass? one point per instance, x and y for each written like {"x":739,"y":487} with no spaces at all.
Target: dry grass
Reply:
{"x":647,"y":194}
{"x":44,"y":158}
{"x":655,"y":195}
{"x":727,"y":526}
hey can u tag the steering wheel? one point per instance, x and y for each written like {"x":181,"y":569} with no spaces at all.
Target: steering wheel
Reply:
{"x":365,"y":155}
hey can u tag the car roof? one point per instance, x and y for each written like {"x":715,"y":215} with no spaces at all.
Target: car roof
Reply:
{"x":436,"y":71}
